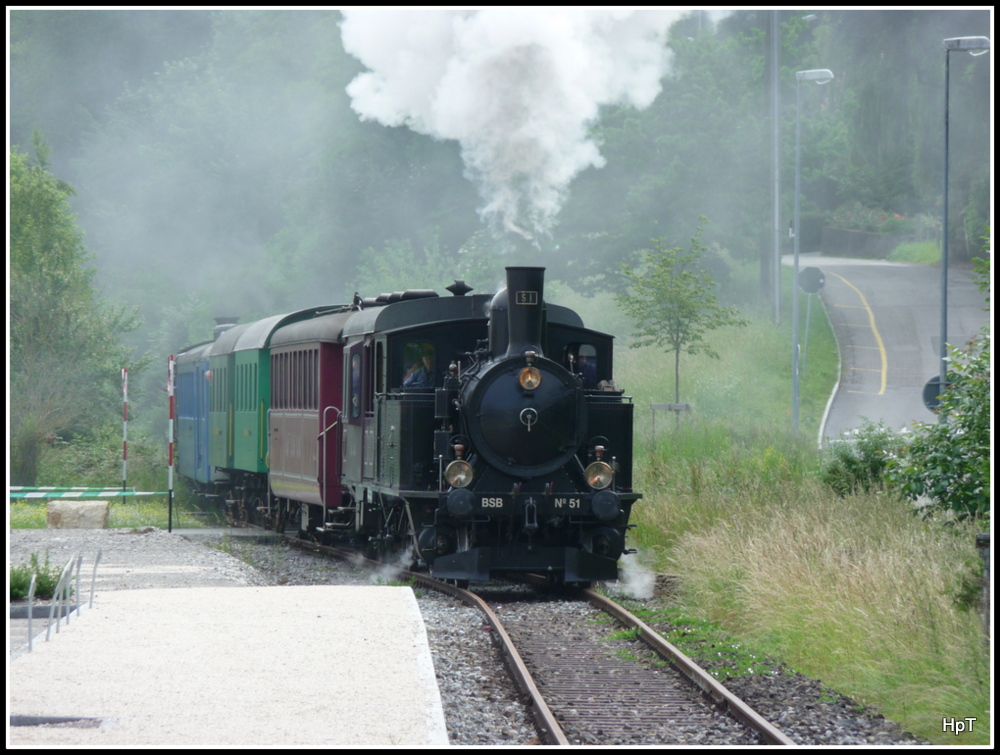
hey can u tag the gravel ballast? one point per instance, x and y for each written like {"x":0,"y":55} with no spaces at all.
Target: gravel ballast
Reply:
{"x":481,"y":705}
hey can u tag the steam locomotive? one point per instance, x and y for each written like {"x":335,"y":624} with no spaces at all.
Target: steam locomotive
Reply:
{"x":481,"y":435}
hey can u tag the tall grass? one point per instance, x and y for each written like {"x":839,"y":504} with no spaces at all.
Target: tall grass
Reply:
{"x":855,"y":591}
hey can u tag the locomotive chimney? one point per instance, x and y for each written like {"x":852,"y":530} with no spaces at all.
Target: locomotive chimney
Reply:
{"x":524,"y":310}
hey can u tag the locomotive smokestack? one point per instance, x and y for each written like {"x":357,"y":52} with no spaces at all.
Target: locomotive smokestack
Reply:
{"x":524,"y":309}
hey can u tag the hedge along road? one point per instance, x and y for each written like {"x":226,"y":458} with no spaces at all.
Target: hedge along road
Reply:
{"x":887,"y":319}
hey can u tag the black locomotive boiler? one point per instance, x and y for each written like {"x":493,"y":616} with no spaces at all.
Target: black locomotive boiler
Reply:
{"x":481,"y":435}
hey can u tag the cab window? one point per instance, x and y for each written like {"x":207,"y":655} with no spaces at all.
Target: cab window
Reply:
{"x":581,"y":359}
{"x":419,"y":365}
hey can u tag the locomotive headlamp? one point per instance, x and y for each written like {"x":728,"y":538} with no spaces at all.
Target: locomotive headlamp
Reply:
{"x":598,"y":475}
{"x":530,"y":378}
{"x":458,"y":473}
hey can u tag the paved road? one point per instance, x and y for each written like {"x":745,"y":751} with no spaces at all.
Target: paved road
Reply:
{"x":887,"y":318}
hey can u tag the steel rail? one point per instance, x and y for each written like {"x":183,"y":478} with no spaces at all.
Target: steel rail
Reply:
{"x":722,"y":696}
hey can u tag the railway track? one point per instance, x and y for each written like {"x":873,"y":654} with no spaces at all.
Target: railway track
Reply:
{"x":580,"y":691}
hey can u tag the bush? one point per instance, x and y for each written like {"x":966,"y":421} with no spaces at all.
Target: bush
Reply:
{"x":855,"y":216}
{"x":858,"y":461}
{"x":46,"y":578}
{"x":949,"y":461}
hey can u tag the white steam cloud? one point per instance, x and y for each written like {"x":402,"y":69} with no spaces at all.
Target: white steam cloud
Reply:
{"x":517,"y":88}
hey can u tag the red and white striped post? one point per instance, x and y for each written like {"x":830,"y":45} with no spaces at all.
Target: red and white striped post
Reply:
{"x":170,"y":445}
{"x":124,"y":427}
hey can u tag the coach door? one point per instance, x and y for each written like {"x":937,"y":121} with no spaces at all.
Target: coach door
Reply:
{"x":369,"y":424}
{"x":352,"y":414}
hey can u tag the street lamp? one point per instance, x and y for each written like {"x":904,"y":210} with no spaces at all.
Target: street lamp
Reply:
{"x":974,"y":46}
{"x":820,"y":76}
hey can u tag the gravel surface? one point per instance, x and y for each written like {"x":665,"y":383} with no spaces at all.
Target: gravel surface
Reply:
{"x":481,"y":704}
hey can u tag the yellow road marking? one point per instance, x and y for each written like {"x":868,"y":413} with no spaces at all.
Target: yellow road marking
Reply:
{"x":871,"y":323}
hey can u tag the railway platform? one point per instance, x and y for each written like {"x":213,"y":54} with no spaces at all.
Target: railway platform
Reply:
{"x":227,"y":664}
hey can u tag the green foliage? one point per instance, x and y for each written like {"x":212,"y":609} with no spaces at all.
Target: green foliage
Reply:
{"x":949,"y":461}
{"x":855,"y":216}
{"x":46,"y":578}
{"x":94,"y":459}
{"x":673,"y":302}
{"x":857,"y":463}
{"x":65,"y":359}
{"x":918,"y":252}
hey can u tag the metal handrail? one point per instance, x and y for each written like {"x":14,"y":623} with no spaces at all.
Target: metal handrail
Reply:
{"x":322,"y":437}
{"x":56,"y":607}
{"x":31,"y":609}
{"x":93,"y":581}
{"x":61,"y":597}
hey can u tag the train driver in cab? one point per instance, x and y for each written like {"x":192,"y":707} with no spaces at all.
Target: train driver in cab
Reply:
{"x":583,"y":362}
{"x":421,"y":374}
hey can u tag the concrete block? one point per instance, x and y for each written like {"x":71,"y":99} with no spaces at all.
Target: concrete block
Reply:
{"x":77,"y":515}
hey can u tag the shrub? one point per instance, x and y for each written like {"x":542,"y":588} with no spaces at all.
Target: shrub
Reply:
{"x":46,"y":578}
{"x":949,"y":461}
{"x":858,"y":461}
{"x":856,"y":217}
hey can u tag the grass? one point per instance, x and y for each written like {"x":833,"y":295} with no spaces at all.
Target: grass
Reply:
{"x":137,"y":512}
{"x":703,"y":641}
{"x":854,"y":591}
{"x":919,"y":252}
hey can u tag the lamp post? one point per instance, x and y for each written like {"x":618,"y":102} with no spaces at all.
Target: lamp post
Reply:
{"x":820,"y":76}
{"x":975,"y":46}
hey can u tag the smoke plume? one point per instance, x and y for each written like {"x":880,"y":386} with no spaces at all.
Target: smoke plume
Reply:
{"x":518,"y":89}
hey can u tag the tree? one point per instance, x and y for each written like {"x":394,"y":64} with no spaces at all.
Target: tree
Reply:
{"x":64,"y":356}
{"x":673,"y":301}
